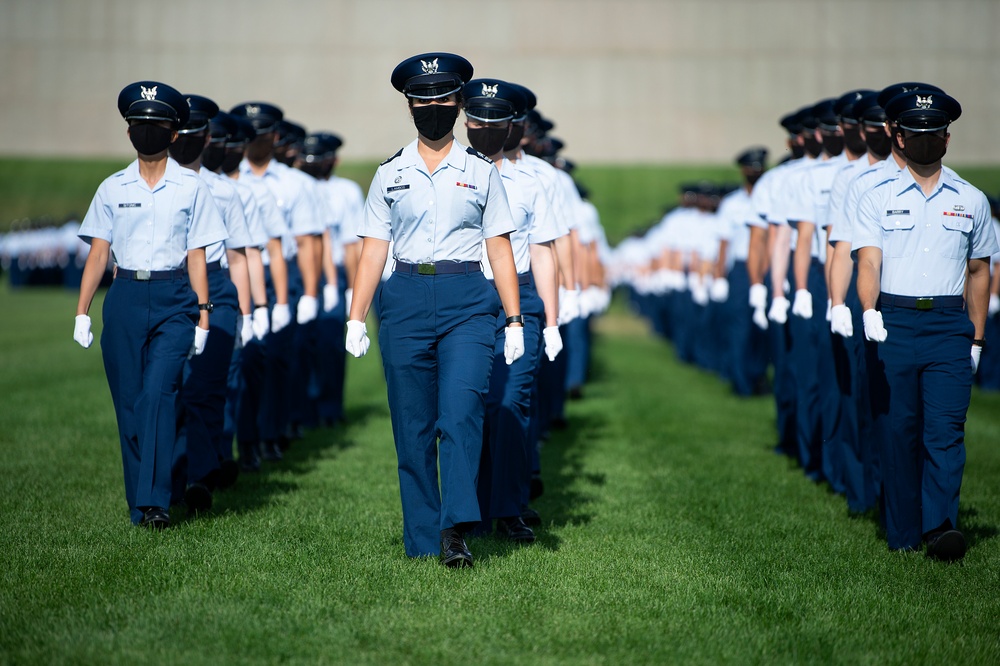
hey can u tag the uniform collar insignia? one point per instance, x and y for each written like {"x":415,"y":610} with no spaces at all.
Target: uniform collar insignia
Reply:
{"x":148,"y":94}
{"x":430,"y":67}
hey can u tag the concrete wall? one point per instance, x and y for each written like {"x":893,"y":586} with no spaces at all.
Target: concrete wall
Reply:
{"x":624,"y":80}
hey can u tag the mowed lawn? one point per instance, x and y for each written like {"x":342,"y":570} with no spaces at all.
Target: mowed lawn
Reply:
{"x":673,"y":534}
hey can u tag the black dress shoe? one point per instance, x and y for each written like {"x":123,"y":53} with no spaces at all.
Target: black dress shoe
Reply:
{"x":271,"y":451}
{"x":946,"y":545}
{"x":530,"y":517}
{"x":249,"y":456}
{"x":155,"y":518}
{"x":515,"y":530}
{"x":454,"y":552}
{"x":198,"y":497}
{"x":229,"y":471}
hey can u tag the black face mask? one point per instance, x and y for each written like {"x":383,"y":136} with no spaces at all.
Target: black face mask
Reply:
{"x":797,"y":151}
{"x":813,"y":147}
{"x":187,"y":148}
{"x":315,"y":169}
{"x":833,"y":144}
{"x":488,"y":140}
{"x":854,"y":141}
{"x":753,"y":177}
{"x":149,"y":139}
{"x":212,"y":158}
{"x":924,"y":149}
{"x":231,"y":162}
{"x":435,"y":121}
{"x":879,"y":143}
{"x":514,"y":138}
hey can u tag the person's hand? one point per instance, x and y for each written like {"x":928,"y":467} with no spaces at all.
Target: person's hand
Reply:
{"x":331,"y":297}
{"x":779,"y":310}
{"x":841,"y":322}
{"x":200,"y":338}
{"x":977,"y":351}
{"x":874,"y":328}
{"x":553,"y":341}
{"x":307,"y":309}
{"x":246,"y":330}
{"x":357,"y":341}
{"x":81,"y":331}
{"x":719,"y":292}
{"x":569,"y":305}
{"x":513,"y":344}
{"x":281,"y":317}
{"x":803,"y":305}
{"x":261,"y":322}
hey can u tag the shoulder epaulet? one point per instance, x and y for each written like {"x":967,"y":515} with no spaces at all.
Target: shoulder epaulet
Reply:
{"x":473,"y":151}
{"x":398,"y":153}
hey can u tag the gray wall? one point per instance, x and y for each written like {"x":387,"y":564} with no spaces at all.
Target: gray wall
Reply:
{"x":624,"y":80}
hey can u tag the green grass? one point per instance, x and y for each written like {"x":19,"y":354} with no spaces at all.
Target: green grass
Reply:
{"x":672,"y":535}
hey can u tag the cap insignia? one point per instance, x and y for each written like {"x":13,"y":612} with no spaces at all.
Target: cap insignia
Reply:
{"x":925,"y":102}
{"x":490,"y":91}
{"x":148,"y":94}
{"x":430,"y":67}
{"x":253,"y":110}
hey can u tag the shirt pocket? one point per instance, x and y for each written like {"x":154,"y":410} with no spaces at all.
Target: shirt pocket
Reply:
{"x":955,"y":237}
{"x":898,"y":237}
{"x":467,"y":206}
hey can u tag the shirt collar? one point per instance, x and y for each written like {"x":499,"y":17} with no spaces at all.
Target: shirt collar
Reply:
{"x":457,"y":157}
{"x":945,"y":181}
{"x":172,"y":173}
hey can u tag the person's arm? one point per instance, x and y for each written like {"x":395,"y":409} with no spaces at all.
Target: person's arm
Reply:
{"x":543,"y":267}
{"x":352,"y":254}
{"x":869,"y":276}
{"x":374,"y":253}
{"x":757,"y":255}
{"x":501,"y":258}
{"x":329,"y":269}
{"x":198,"y":275}
{"x":841,"y":267}
{"x":255,"y":271}
{"x":240,"y":275}
{"x":564,"y":255}
{"x":803,"y":254}
{"x":279,"y":271}
{"x":93,"y":272}
{"x":978,"y":299}
{"x":779,"y":257}
{"x":308,"y":260}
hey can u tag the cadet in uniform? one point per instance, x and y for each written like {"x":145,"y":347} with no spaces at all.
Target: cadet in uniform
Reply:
{"x":437,"y":200}
{"x":155,"y":218}
{"x":917,"y":238}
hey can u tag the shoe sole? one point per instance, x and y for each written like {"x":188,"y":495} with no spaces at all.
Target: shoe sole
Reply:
{"x":458,"y":562}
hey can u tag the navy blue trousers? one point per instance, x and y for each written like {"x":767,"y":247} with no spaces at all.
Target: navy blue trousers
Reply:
{"x":989,"y":362}
{"x":505,"y":466}
{"x":437,"y":336}
{"x":780,"y":337}
{"x":929,"y":375}
{"x":329,"y":373}
{"x":577,"y":350}
{"x":148,"y":332}
{"x":749,"y":345}
{"x":276,"y":389}
{"x":805,"y":364}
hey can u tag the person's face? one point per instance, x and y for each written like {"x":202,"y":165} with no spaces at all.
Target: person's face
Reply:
{"x":479,"y":124}
{"x":447,"y":100}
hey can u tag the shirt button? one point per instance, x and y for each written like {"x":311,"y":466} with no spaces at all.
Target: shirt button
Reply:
{"x":927,"y":249}
{"x":429,"y":240}
{"x":928,"y":225}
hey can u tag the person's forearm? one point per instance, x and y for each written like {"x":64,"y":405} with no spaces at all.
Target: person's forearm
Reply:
{"x":279,"y":271}
{"x":198,"y":275}
{"x":757,"y":255}
{"x":803,"y":255}
{"x":308,"y":263}
{"x":255,"y":271}
{"x":543,"y":268}
{"x":841,"y":268}
{"x":869,"y":276}
{"x":93,"y":272}
{"x":501,"y":259}
{"x":329,"y":269}
{"x":352,"y":253}
{"x":979,"y":295}
{"x":240,"y":277}
{"x":782,"y":235}
{"x":374,"y":253}
{"x":564,"y":254}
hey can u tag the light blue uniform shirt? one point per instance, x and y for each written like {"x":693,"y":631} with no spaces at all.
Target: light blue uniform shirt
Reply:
{"x":352,"y":199}
{"x":926,"y":242}
{"x":551,"y":181}
{"x":153,"y":229}
{"x":835,"y":212}
{"x":251,"y":211}
{"x":442,"y":216}
{"x":229,"y":204}
{"x":295,"y":201}
{"x":846,"y":217}
{"x":735,"y":209}
{"x":274,"y":220}
{"x":529,"y":207}
{"x":811,"y":198}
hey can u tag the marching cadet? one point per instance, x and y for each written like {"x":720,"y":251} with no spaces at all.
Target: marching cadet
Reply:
{"x":203,"y":393}
{"x":989,"y":364}
{"x":923,"y":240}
{"x":437,"y":200}
{"x":155,"y":219}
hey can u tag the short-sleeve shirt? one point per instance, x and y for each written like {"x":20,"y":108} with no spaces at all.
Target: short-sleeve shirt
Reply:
{"x":153,"y":228}
{"x":926,"y":241}
{"x":442,"y":216}
{"x":231,"y":207}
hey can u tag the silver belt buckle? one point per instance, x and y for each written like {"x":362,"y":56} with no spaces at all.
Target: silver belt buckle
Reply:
{"x":142,"y":275}
{"x":925,"y":303}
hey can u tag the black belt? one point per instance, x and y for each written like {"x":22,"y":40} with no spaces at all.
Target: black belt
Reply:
{"x":922,"y":302}
{"x":213,"y":266}
{"x":438,"y":268}
{"x":144,"y":276}
{"x":522,"y":279}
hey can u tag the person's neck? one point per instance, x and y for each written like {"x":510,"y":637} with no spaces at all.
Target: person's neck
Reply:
{"x":925,"y":175}
{"x":194,"y":166}
{"x":434,"y":151}
{"x":152,"y":168}
{"x":513,"y":155}
{"x":900,"y":160}
{"x":259,"y":167}
{"x":875,"y":159}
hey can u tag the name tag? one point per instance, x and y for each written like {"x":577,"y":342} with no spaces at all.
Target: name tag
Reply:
{"x":397,"y":188}
{"x":898,"y":211}
{"x":130,"y":205}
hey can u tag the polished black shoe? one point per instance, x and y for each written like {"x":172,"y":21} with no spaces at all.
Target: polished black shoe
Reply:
{"x":198,"y":497}
{"x":515,"y":530}
{"x":155,"y":518}
{"x":229,"y":471}
{"x":530,"y":517}
{"x":454,"y":552}
{"x":249,"y":456}
{"x":946,"y":545}
{"x":271,"y":451}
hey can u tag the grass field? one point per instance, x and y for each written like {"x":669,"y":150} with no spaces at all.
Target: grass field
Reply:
{"x":672,"y":535}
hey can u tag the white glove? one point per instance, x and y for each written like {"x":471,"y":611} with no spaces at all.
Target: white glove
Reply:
{"x":553,"y":341}
{"x":994,"y":305}
{"x":348,"y":297}
{"x":977,"y":351}
{"x":331,"y":297}
{"x":677,"y":280}
{"x":261,"y":322}
{"x":779,"y":310}
{"x":829,"y":308}
{"x":693,"y":281}
{"x":357,"y":341}
{"x":803,"y":305}
{"x":200,"y":338}
{"x":513,"y":344}
{"x":699,"y":294}
{"x":569,"y":305}
{"x":246,"y":330}
{"x":760,"y":318}
{"x":307,"y":309}
{"x":874,"y":328}
{"x":758,"y":297}
{"x":841,"y":322}
{"x":81,"y":331}
{"x":719,"y":292}
{"x":280,"y":317}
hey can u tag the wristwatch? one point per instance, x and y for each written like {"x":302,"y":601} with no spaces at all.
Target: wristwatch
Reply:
{"x":979,"y":342}
{"x":515,"y":319}
{"x":207,"y":307}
